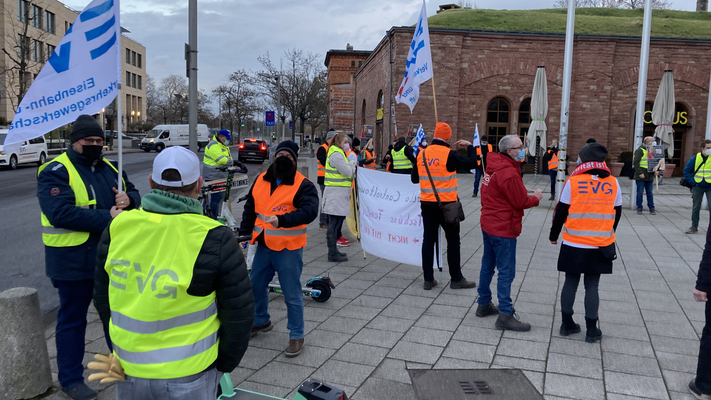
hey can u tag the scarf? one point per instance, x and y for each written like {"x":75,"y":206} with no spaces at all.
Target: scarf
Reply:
{"x":585,"y":167}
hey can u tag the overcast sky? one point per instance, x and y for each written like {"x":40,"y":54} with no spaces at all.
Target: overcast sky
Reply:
{"x":232,"y":34}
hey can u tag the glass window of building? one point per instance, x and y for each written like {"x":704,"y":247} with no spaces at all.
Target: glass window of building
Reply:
{"x":37,"y":17}
{"x":50,"y":23}
{"x":128,"y":56}
{"x":139,"y":82}
{"x":497,"y":121}
{"x":140,"y":61}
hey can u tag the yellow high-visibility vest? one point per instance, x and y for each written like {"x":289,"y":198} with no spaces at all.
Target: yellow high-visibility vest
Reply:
{"x":400,"y":160}
{"x":332,"y":177}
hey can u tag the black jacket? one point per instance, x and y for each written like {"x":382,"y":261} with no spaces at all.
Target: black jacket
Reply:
{"x":220,"y":268}
{"x":408,"y":153}
{"x":56,"y":199}
{"x":703,"y":279}
{"x":321,"y":155}
{"x":548,"y":155}
{"x":455,"y":161}
{"x":306,"y":203}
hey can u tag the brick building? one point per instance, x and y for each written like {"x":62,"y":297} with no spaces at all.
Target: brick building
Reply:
{"x":486,"y":78}
{"x":340,"y":67}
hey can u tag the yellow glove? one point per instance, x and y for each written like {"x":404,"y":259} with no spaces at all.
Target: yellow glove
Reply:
{"x":111,"y":367}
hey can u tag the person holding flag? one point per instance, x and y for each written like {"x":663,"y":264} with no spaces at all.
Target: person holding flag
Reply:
{"x":78,"y":196}
{"x":482,"y":149}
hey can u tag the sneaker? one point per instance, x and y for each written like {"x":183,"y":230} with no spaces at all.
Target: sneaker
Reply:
{"x":512,"y":323}
{"x":323,"y":227}
{"x":430,"y":284}
{"x":552,"y":198}
{"x":652,"y":212}
{"x":295,"y":347}
{"x":263,"y":328}
{"x":485,"y":311}
{"x":692,"y":230}
{"x":696,"y":392}
{"x":639,"y":212}
{"x":475,"y":195}
{"x":463,"y":284}
{"x":80,"y":392}
{"x":343,"y":242}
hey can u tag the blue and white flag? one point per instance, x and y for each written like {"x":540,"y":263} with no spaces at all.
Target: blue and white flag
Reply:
{"x":476,"y":142}
{"x":418,"y":139}
{"x":80,"y":77}
{"x":419,"y":63}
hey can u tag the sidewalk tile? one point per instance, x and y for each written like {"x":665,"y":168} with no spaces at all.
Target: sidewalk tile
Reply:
{"x":470,"y":351}
{"x":416,"y":352}
{"x":377,"y":337}
{"x":631,"y":364}
{"x":361,"y":354}
{"x":635,"y":385}
{"x":378,"y":389}
{"x":574,"y":387}
{"x":523,"y":349}
{"x":341,"y":373}
{"x":281,"y":374}
{"x":434,"y":337}
{"x":390,"y":324}
{"x":573,"y":365}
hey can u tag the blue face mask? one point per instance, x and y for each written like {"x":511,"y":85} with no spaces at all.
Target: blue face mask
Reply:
{"x":521,"y":155}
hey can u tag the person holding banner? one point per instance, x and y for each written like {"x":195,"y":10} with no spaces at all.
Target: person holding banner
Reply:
{"x":402,"y":157}
{"x":442,"y":163}
{"x":644,"y":178}
{"x":366,"y":158}
{"x":336,"y":198}
{"x":321,"y":154}
{"x":503,"y":199}
{"x":481,"y":151}
{"x":78,"y":196}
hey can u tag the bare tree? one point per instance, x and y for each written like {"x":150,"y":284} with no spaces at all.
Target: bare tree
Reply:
{"x":152,"y":98}
{"x":238,"y":98}
{"x":24,"y":47}
{"x":659,"y":4}
{"x":170,"y":103}
{"x":316,"y":110}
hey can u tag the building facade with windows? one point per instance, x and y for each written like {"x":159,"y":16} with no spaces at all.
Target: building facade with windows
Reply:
{"x":31,"y":30}
{"x":340,"y":67}
{"x":486,"y":78}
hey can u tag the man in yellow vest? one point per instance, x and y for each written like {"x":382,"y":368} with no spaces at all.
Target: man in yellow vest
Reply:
{"x":173,"y":288}
{"x":402,"y":157}
{"x":550,"y":159}
{"x":217,"y":153}
{"x":698,"y":173}
{"x":321,"y":155}
{"x":280,"y":204}
{"x":77,"y":193}
{"x":644,"y":178}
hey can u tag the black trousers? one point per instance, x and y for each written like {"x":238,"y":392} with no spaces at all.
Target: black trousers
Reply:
{"x":335,"y":223}
{"x":592,"y":298}
{"x":703,"y":369}
{"x":432,"y":219}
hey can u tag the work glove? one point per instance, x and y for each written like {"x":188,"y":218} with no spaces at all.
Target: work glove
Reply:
{"x":352,"y":157}
{"x":230,"y":162}
{"x":113,"y":372}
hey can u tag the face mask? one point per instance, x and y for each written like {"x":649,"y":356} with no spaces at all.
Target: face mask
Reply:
{"x":92,"y":152}
{"x":284,"y":167}
{"x":521,"y":155}
{"x":707,"y":152}
{"x":346,"y":147}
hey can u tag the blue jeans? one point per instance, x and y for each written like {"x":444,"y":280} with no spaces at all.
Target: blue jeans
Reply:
{"x":499,"y":253}
{"x":216,"y":203}
{"x":288,"y":265}
{"x":201,"y":386}
{"x":649,"y":187}
{"x":74,"y":300}
{"x":477,"y":177}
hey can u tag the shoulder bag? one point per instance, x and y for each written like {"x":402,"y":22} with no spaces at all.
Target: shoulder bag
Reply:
{"x":453,"y":212}
{"x":683,"y":182}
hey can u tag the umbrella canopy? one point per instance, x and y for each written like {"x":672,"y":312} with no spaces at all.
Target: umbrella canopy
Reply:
{"x":539,"y":111}
{"x":663,"y":112}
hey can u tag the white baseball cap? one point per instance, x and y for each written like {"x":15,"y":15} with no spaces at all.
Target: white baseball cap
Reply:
{"x":180,"y":159}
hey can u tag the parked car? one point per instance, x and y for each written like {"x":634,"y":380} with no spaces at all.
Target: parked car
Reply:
{"x":162,"y":136}
{"x":114,"y":134}
{"x":255,"y":149}
{"x":31,"y":151}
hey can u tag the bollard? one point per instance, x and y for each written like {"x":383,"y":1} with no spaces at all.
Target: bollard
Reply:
{"x":24,"y":364}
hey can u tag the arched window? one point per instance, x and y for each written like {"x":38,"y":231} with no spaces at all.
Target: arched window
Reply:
{"x":524,"y":117}
{"x":379,"y":109}
{"x":497,"y":121}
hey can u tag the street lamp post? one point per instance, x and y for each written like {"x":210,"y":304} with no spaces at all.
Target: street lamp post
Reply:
{"x":279,"y":117}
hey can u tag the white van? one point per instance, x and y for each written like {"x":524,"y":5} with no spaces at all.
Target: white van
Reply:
{"x":31,"y":151}
{"x":162,"y":136}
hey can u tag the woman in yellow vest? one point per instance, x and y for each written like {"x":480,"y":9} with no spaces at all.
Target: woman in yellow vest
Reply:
{"x":321,"y":155}
{"x":588,"y":212}
{"x":336,"y":199}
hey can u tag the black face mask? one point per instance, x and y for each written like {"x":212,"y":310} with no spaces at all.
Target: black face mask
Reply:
{"x":92,"y":152}
{"x":284,"y":167}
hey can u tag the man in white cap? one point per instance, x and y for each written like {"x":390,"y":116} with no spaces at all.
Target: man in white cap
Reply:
{"x":169,"y":283}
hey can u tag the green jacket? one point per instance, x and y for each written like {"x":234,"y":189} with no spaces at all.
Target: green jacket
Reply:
{"x":648,"y":176}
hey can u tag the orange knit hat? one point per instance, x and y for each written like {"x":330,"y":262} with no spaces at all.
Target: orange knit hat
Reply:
{"x":442,"y":131}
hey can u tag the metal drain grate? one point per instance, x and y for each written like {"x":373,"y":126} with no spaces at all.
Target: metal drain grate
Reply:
{"x":476,"y":387}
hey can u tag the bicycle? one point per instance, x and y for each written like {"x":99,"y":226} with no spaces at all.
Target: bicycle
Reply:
{"x":223,"y":185}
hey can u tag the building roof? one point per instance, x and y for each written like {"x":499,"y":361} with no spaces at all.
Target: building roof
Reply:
{"x":362,"y":53}
{"x":588,"y":21}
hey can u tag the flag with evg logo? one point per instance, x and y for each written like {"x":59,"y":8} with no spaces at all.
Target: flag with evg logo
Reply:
{"x":82,"y":76}
{"x":419,"y":63}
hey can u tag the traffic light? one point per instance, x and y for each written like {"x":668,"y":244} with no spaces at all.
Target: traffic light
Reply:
{"x":241,"y":121}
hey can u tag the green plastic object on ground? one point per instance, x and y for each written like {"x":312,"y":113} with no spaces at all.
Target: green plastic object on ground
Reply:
{"x":309,"y":390}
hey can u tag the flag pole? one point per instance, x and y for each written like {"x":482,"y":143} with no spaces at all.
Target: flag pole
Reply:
{"x":434,"y":97}
{"x":119,"y":134}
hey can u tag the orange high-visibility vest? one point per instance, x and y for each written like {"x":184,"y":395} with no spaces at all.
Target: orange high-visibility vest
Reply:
{"x":321,"y":167}
{"x":591,"y":218}
{"x":369,"y":155}
{"x":478,"y":152}
{"x":445,"y":181}
{"x":280,"y":202}
{"x":553,"y":163}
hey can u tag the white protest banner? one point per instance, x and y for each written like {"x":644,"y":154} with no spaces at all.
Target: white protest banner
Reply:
{"x":419,"y":63}
{"x":390,"y":216}
{"x":80,"y":77}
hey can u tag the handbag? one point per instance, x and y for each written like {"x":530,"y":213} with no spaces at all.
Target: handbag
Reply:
{"x":453,"y":212}
{"x":609,"y":252}
{"x":683,"y":182}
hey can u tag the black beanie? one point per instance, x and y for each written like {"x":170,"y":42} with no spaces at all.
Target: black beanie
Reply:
{"x":289,"y":146}
{"x":356,"y":142}
{"x":85,"y":126}
{"x":593,"y":152}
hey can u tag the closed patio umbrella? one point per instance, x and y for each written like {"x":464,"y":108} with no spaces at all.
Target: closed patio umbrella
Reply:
{"x":539,"y":111}
{"x":663,"y":112}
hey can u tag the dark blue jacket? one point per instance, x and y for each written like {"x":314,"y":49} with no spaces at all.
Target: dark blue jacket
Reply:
{"x":689,"y":174}
{"x":56,"y":200}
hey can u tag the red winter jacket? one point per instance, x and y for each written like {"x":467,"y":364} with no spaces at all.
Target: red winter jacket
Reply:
{"x":503,"y":197}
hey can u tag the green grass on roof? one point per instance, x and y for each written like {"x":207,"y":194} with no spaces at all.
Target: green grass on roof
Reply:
{"x":589,"y":21}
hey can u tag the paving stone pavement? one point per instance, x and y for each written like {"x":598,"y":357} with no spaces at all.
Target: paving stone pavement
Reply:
{"x":380,"y":322}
